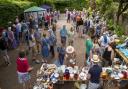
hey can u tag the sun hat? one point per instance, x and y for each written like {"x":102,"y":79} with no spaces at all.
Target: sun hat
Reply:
{"x":95,"y":58}
{"x":70,"y":49}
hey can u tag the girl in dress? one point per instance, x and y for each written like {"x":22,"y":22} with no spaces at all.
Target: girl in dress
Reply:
{"x":45,"y":47}
{"x":96,"y":47}
{"x":71,"y":34}
{"x":32,"y":45}
{"x":11,"y":38}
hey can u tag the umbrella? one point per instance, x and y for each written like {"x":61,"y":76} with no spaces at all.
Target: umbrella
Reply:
{"x":34,"y":9}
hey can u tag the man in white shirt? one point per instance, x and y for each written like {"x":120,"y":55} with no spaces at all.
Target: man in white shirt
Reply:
{"x":104,"y":41}
{"x":91,"y":23}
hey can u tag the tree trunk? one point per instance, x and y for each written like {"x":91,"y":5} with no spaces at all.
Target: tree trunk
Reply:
{"x":119,"y":10}
{"x":123,"y":6}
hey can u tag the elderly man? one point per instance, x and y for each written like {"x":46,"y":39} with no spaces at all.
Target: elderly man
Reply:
{"x":94,"y":73}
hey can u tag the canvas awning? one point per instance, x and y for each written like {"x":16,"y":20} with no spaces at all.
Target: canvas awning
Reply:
{"x":34,"y":9}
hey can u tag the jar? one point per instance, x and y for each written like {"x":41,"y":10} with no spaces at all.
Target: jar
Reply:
{"x":67,"y":74}
{"x":76,"y":76}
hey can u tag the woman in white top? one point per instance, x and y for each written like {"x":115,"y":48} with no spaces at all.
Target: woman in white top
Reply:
{"x":71,"y":34}
{"x":96,"y":47}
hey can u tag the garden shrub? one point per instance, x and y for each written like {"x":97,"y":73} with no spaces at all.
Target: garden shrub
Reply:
{"x":9,"y":10}
{"x":118,"y":29}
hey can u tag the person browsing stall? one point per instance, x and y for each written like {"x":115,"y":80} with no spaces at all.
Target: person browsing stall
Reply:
{"x":94,"y":73}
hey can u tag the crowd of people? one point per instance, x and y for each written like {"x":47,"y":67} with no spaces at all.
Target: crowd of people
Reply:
{"x":29,"y":37}
{"x":99,"y":45}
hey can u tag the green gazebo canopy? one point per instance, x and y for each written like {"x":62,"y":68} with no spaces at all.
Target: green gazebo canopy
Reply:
{"x":34,"y":9}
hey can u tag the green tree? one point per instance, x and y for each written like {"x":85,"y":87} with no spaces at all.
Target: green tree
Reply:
{"x":123,"y":6}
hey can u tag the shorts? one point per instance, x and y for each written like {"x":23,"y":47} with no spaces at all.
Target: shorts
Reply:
{"x":3,"y":52}
{"x":23,"y":77}
{"x":93,"y":85}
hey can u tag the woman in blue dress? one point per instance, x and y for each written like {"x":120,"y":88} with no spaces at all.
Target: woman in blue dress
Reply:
{"x":45,"y":47}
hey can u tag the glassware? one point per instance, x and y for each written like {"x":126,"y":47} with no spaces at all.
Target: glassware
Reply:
{"x":125,"y":74}
{"x":103,"y":75}
{"x":67,"y":74}
{"x":61,"y":75}
{"x":76,"y":76}
{"x":71,"y":76}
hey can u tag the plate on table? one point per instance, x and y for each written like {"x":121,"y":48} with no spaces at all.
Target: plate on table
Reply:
{"x":37,"y":87}
{"x":70,"y":69}
{"x":116,"y":77}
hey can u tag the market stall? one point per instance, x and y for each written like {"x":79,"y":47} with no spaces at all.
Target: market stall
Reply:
{"x":33,"y":11}
{"x":121,"y":55}
{"x":122,"y":51}
{"x":50,"y":74}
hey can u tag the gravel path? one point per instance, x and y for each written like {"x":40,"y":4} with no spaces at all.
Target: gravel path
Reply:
{"x":8,"y":75}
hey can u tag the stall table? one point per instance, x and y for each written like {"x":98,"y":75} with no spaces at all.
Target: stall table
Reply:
{"x":121,"y":55}
{"x":62,"y":83}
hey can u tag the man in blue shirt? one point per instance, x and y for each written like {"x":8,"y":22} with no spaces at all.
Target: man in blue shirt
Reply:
{"x":94,"y":73}
{"x":63,"y":34}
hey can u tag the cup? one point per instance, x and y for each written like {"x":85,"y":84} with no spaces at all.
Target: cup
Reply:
{"x":125,"y":74}
{"x":71,"y":76}
{"x":61,"y":76}
{"x":103,"y":75}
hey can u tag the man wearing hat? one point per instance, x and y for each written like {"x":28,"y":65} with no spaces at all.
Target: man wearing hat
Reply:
{"x":70,"y":56}
{"x":94,"y":73}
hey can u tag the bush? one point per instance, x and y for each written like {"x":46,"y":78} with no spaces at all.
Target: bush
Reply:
{"x":73,"y":4}
{"x":9,"y":10}
{"x":61,"y":6}
{"x":118,"y":29}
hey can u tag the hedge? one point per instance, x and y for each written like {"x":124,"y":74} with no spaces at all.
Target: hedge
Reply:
{"x":78,"y":5}
{"x":9,"y":10}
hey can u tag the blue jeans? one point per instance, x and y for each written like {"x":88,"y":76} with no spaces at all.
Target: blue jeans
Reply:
{"x":63,"y":40}
{"x":61,"y":59}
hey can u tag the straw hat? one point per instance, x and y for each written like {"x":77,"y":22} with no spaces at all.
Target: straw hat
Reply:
{"x":95,"y":58}
{"x":70,"y":49}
